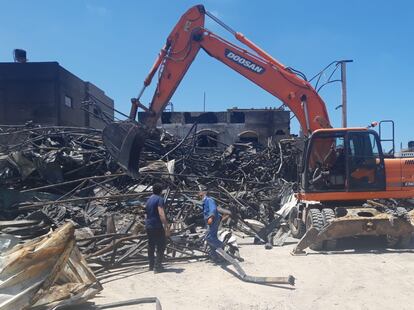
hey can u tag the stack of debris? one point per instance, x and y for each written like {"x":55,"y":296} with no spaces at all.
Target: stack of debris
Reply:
{"x":46,"y":272}
{"x":52,"y":175}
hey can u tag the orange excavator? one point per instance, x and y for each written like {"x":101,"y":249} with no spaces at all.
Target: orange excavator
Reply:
{"x":343,"y":169}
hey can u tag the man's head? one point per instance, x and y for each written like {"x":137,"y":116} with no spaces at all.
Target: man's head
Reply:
{"x":340,"y":150}
{"x":202,"y":191}
{"x":157,"y":189}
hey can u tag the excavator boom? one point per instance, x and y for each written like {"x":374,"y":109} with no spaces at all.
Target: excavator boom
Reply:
{"x":125,"y":140}
{"x":182,"y":46}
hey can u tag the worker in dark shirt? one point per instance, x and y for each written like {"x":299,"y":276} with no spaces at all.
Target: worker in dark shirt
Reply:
{"x":212,"y":219}
{"x":157,"y":228}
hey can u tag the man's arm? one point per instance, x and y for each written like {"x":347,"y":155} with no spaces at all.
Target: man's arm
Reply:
{"x":211,"y":211}
{"x":163,"y":219}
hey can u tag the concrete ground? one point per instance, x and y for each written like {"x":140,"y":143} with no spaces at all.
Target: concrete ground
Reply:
{"x":347,"y":279}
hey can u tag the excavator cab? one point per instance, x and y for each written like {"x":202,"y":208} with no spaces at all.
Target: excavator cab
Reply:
{"x":344,"y":160}
{"x":344,"y":170}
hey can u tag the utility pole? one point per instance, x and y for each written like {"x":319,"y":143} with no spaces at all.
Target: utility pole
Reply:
{"x":344,"y":98}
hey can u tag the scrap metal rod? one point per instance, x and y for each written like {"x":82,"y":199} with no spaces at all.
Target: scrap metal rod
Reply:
{"x":244,"y":277}
{"x":52,"y":202}
{"x":73,"y":181}
{"x":147,"y":300}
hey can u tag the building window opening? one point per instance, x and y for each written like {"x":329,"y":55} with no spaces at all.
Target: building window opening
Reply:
{"x":249,"y":136}
{"x":166,"y":118}
{"x":68,"y":102}
{"x":207,"y":138}
{"x":237,"y":118}
{"x":203,"y":118}
{"x":97,"y":112}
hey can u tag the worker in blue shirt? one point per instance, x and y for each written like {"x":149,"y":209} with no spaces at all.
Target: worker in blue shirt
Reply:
{"x":157,"y":229}
{"x":212,"y":219}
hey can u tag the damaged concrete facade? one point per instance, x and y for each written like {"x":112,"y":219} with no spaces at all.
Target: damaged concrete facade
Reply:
{"x":231,"y":126}
{"x":48,"y":94}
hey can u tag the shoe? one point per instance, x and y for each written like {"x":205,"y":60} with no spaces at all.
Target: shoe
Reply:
{"x":158,"y":269}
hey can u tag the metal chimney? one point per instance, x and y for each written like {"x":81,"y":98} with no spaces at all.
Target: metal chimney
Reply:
{"x":19,"y":55}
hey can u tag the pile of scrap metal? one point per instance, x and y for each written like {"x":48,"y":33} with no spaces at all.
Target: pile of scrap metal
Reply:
{"x":50,"y":175}
{"x":49,"y":272}
{"x":45,"y":272}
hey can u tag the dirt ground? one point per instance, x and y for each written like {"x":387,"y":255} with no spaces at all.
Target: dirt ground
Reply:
{"x":376,"y":278}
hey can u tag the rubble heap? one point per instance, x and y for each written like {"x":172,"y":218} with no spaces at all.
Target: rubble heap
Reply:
{"x":53,"y":174}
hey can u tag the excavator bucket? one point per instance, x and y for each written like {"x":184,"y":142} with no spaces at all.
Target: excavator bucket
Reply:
{"x":124,"y":141}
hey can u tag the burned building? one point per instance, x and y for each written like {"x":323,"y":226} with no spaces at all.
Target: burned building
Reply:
{"x":217,"y":129}
{"x":48,"y":94}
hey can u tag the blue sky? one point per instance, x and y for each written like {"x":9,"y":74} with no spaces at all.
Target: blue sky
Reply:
{"x":114,"y":43}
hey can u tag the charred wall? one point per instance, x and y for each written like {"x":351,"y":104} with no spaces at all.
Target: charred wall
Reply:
{"x":28,"y":92}
{"x":233,"y":125}
{"x":48,"y":94}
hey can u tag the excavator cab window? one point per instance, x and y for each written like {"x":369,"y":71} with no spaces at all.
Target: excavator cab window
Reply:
{"x":365,"y":162}
{"x":344,"y":161}
{"x":326,"y":163}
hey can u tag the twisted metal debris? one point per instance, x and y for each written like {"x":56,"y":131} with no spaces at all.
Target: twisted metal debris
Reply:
{"x":52,"y":175}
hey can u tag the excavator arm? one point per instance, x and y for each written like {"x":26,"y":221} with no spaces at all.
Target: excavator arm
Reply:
{"x":185,"y":41}
{"x":182,"y":46}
